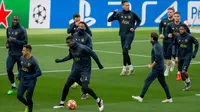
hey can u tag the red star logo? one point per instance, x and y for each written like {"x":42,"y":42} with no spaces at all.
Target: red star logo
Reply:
{"x":4,"y":15}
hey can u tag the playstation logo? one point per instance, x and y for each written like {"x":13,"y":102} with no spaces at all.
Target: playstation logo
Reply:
{"x":85,"y":11}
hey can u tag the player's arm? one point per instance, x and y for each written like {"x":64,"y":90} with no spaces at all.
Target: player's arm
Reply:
{"x":175,"y":47}
{"x":24,"y":38}
{"x":94,"y":56}
{"x":69,"y":57}
{"x":168,"y":31}
{"x":196,"y":47}
{"x":114,"y":16}
{"x":188,"y":30}
{"x":89,"y":42}
{"x":137,"y":19}
{"x":158,"y":56}
{"x":88,"y":30}
{"x":160,"y":29}
{"x":71,"y":28}
{"x":7,"y":42}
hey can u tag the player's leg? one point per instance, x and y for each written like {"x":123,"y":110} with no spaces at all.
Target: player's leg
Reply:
{"x":84,"y":95}
{"x":126,"y":48}
{"x":75,"y":85}
{"x":65,"y":91}
{"x":124,"y":58}
{"x":20,"y":93}
{"x":86,"y":80}
{"x":179,"y":72}
{"x":168,"y":48}
{"x":184,"y":72}
{"x":29,"y":95}
{"x":9,"y":66}
{"x":163,"y":83}
{"x":150,"y":78}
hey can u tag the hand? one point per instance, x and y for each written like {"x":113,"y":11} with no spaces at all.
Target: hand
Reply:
{"x":132,"y":29}
{"x":161,"y":36}
{"x":58,"y":60}
{"x":100,"y":66}
{"x":193,"y":56}
{"x":170,"y":35}
{"x":7,"y":45}
{"x":10,"y":39}
{"x":149,"y":66}
{"x":116,"y":10}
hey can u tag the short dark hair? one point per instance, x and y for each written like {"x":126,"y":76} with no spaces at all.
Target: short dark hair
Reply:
{"x":28,"y":47}
{"x":171,"y":8}
{"x":177,"y":12}
{"x":76,"y":16}
{"x":154,"y":35}
{"x":184,"y":26}
{"x":69,"y":38}
{"x":124,"y":1}
{"x":82,"y":22}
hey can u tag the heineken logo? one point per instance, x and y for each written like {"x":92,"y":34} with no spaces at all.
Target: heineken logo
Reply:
{"x":4,"y":14}
{"x":39,"y":14}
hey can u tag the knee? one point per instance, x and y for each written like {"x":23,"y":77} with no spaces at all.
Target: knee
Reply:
{"x":29,"y":99}
{"x":9,"y":69}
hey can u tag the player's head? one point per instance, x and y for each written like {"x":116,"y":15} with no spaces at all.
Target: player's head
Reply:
{"x":70,"y":41}
{"x":76,"y":17}
{"x":177,"y":16}
{"x":170,"y":12}
{"x":26,"y":50}
{"x":125,"y":5}
{"x":182,"y":29}
{"x":153,"y":37}
{"x":82,"y":25}
{"x":15,"y":20}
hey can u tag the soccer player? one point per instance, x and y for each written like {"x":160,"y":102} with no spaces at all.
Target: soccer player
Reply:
{"x":128,"y":21}
{"x":157,"y":66}
{"x":81,"y":36}
{"x":171,"y":31}
{"x":74,"y":26}
{"x":28,"y":73}
{"x":82,"y":69}
{"x":184,"y":52}
{"x":166,"y":44}
{"x":16,"y":38}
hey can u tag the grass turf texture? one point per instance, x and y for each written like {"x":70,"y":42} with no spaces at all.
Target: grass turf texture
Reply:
{"x":115,"y":90}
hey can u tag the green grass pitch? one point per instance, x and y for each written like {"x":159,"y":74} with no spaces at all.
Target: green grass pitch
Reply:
{"x":115,"y":90}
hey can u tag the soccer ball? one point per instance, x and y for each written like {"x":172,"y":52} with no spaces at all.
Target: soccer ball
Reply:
{"x":186,"y":22}
{"x":71,"y":104}
{"x":39,"y":14}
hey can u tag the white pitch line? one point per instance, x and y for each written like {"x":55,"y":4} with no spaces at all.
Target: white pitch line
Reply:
{"x":104,"y":42}
{"x":58,"y":71}
{"x":102,"y":51}
{"x":106,"y":68}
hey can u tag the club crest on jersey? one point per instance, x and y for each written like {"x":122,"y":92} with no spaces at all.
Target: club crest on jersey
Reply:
{"x":129,"y":17}
{"x":16,"y":33}
{"x":82,"y":40}
{"x":165,"y":23}
{"x":22,"y":62}
{"x":122,"y":17}
{"x":186,"y":40}
{"x":29,"y":64}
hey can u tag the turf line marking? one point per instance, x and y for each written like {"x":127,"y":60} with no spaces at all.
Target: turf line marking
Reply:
{"x":58,"y":71}
{"x":105,"y":68}
{"x":104,"y":42}
{"x":103,"y":51}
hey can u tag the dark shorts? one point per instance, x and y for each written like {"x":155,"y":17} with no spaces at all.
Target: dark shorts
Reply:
{"x":167,"y":50}
{"x":183,"y":64}
{"x":77,"y":75}
{"x":127,"y":40}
